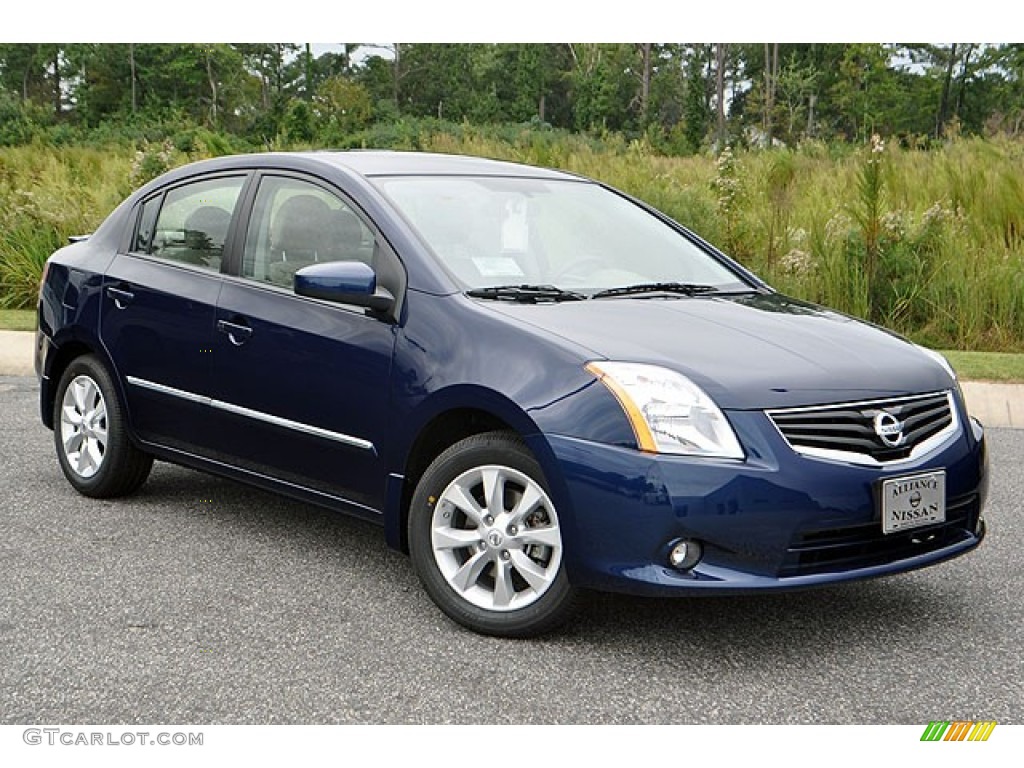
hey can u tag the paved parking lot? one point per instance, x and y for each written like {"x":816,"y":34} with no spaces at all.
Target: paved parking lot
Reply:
{"x":202,"y":601}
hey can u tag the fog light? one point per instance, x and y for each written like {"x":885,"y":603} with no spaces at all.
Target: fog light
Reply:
{"x":686,"y":554}
{"x":979,"y":527}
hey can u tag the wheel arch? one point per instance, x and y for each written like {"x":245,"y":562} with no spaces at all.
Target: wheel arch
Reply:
{"x":498,"y":570}
{"x":94,"y":445}
{"x":66,"y":350}
{"x":453,"y":417}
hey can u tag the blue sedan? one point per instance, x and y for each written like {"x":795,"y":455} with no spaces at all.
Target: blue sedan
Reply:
{"x":536,"y":384}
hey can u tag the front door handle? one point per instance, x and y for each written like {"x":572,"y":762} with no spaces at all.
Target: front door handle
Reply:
{"x":238,"y":333}
{"x":121,"y":297}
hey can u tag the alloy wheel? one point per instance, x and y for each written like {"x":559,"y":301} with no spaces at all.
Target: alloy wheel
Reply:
{"x":495,"y":538}
{"x":83,"y":426}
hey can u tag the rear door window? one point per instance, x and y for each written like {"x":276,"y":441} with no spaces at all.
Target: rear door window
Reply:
{"x":192,"y":226}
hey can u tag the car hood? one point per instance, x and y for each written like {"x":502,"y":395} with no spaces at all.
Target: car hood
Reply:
{"x":748,"y":352}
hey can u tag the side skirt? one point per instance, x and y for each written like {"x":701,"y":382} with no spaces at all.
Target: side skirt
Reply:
{"x":264,"y":482}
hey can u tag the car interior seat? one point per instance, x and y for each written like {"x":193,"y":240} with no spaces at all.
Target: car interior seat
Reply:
{"x":206,"y":229}
{"x":345,"y":238}
{"x":299,"y":236}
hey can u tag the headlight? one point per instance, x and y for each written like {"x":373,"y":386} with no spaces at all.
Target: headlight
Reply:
{"x":669,"y":413}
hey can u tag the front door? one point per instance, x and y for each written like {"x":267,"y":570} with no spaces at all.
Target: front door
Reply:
{"x":301,"y":385}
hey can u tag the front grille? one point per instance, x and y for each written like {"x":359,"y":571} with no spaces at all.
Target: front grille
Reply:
{"x":850,"y":428}
{"x":864,"y":545}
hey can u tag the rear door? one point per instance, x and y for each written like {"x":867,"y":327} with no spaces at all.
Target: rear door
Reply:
{"x":159,"y":299}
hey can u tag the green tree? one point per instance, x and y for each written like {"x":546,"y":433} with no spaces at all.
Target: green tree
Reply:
{"x":796,"y":94}
{"x":106,"y":82}
{"x":697,"y":114}
{"x":35,"y":71}
{"x":343,"y":106}
{"x":668,"y":85}
{"x":603,"y":87}
{"x":443,"y":80}
{"x":529,"y":81}
{"x":864,"y":90}
{"x":376,"y":74}
{"x":300,"y":122}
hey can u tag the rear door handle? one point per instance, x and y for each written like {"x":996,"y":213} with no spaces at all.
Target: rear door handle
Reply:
{"x":237,"y":333}
{"x":121,"y":297}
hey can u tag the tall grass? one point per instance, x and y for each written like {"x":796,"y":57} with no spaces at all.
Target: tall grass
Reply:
{"x":928,"y":243}
{"x":47,"y":194}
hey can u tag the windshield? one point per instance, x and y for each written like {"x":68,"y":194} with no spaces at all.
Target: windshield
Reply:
{"x":566,"y":234}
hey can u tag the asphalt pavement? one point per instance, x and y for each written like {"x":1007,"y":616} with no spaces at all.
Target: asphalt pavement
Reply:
{"x":200,"y":600}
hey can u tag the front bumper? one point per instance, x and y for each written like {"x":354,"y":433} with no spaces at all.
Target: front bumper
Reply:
{"x":777,"y":520}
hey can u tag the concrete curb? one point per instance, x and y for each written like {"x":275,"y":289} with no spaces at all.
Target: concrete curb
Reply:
{"x":17,"y":353}
{"x":994,"y":404}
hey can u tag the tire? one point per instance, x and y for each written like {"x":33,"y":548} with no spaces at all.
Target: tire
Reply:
{"x":91,"y":436}
{"x":496,"y":568}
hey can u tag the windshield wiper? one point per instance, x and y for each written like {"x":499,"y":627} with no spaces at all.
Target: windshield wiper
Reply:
{"x":685,"y":289}
{"x":525,"y":294}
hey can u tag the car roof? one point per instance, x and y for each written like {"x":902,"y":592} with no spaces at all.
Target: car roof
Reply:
{"x":402,"y":163}
{"x":361,"y":163}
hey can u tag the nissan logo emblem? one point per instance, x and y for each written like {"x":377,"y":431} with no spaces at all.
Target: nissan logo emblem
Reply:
{"x":889,"y":429}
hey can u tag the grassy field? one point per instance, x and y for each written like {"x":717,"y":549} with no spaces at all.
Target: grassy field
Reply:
{"x":928,"y":243}
{"x":987,"y":366}
{"x":17,"y":320}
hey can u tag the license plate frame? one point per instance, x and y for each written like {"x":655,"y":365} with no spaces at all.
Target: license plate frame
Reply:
{"x":913,"y":501}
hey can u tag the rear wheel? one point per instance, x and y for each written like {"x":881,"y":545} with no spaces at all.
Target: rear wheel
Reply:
{"x":486,"y":541}
{"x":90,"y":433}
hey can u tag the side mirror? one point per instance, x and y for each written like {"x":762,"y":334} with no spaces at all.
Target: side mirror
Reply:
{"x":345,"y":282}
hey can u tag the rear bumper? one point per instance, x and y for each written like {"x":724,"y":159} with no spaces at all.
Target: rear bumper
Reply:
{"x":775,"y":521}
{"x":44,"y":352}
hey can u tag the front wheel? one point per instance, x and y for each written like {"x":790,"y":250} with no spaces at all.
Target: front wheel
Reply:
{"x":486,"y":541}
{"x":90,"y":433}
